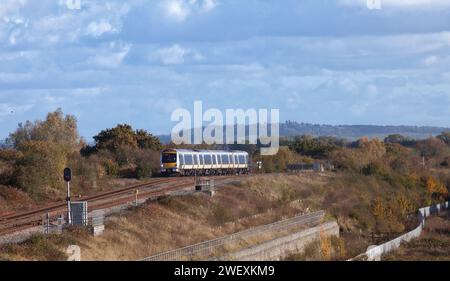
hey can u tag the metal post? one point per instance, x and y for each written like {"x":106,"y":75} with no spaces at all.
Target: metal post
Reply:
{"x":137,"y":193}
{"x":47,"y":222}
{"x":69,"y":213}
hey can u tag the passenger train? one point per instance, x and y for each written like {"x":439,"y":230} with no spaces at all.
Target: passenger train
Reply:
{"x":203,"y":162}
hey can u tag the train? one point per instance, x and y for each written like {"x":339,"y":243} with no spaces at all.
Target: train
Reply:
{"x":187,"y":162}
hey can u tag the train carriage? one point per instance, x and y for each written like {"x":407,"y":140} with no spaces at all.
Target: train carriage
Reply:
{"x":203,"y":162}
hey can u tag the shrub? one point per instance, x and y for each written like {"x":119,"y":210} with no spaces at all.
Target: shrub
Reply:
{"x":41,"y":166}
{"x":112,"y":168}
{"x":221,"y":215}
{"x":143,"y":170}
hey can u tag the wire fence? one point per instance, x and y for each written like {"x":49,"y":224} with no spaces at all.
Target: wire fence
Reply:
{"x":208,"y":248}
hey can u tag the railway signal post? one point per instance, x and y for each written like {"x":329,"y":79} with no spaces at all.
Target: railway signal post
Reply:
{"x":67,"y":179}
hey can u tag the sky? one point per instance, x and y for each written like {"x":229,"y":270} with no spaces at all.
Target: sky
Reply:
{"x":318,"y":61}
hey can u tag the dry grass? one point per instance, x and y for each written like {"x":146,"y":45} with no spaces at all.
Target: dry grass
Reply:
{"x":432,"y":245}
{"x":177,"y":222}
{"x":173,"y":222}
{"x":37,"y":248}
{"x":323,"y":249}
{"x":13,"y":199}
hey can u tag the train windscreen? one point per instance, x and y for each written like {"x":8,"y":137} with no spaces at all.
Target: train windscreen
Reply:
{"x":169,"y":158}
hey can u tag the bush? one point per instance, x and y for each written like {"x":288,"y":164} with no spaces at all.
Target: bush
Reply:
{"x":143,"y":170}
{"x":221,"y":215}
{"x":112,"y":168}
{"x":41,"y":166}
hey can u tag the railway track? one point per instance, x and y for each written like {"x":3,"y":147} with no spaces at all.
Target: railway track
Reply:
{"x":12,"y":222}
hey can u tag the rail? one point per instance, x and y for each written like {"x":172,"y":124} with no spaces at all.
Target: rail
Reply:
{"x":207,"y":248}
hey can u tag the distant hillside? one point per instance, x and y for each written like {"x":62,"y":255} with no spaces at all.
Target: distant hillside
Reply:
{"x":353,"y":132}
{"x":350,"y":132}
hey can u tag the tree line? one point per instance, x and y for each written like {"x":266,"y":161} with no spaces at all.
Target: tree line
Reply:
{"x":33,"y":156}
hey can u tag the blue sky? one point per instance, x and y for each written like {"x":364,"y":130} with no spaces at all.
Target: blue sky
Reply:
{"x":318,"y":61}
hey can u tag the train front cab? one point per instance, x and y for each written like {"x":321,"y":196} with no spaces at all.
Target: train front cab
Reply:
{"x":169,"y":160}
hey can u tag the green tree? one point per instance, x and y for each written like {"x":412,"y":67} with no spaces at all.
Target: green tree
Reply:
{"x":397,"y":138}
{"x":445,"y":137}
{"x":41,"y":166}
{"x":146,"y":140}
{"x":123,"y":135}
{"x":315,"y":147}
{"x":113,"y":139}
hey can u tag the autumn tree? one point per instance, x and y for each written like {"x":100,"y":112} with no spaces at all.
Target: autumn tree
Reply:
{"x":435,"y":188}
{"x":56,"y":128}
{"x":431,"y":147}
{"x":40,"y":168}
{"x":279,"y":161}
{"x":44,"y":148}
{"x":123,"y":135}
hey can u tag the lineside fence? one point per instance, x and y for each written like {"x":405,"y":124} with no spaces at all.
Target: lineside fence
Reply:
{"x":374,"y":253}
{"x":210,"y":247}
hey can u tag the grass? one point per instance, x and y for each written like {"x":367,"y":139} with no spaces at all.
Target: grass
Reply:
{"x":175,"y":222}
{"x":432,"y":245}
{"x":37,"y":248}
{"x":181,"y":221}
{"x":324,"y":249}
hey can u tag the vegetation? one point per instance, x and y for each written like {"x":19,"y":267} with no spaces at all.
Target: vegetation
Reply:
{"x":35,"y":154}
{"x":377,"y":185}
{"x":155,"y":227}
{"x":432,"y":245}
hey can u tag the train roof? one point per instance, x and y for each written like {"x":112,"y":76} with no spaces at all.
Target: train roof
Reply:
{"x":205,"y":151}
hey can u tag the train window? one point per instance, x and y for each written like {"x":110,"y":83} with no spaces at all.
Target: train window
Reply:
{"x":224,"y":159}
{"x":219,"y":159}
{"x":188,"y":159}
{"x":242,"y":159}
{"x":208,"y":160}
{"x":214,"y":161}
{"x":181,"y":156}
{"x":195,"y":159}
{"x":201,"y":159}
{"x":236,"y":160}
{"x":169,"y":158}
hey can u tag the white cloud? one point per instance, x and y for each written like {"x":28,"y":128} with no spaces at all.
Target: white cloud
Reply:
{"x":111,"y":58}
{"x":54,"y":25}
{"x":208,"y":5}
{"x":9,"y":7}
{"x":7,"y":109}
{"x":431,"y":60}
{"x":177,"y":9}
{"x":180,"y":10}
{"x":97,"y":29}
{"x":348,"y":86}
{"x":400,"y":4}
{"x":175,"y":55}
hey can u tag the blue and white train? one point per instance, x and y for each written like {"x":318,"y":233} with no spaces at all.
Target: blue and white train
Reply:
{"x":204,"y":162}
